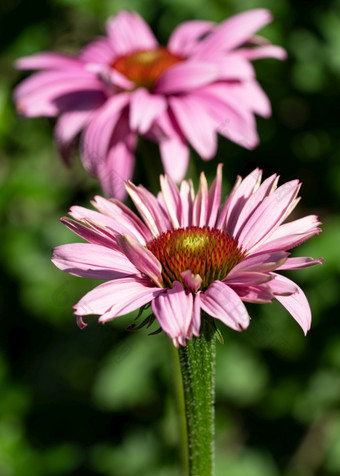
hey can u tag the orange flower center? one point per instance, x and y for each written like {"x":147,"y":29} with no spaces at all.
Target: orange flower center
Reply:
{"x":210,"y":253}
{"x":146,"y":66}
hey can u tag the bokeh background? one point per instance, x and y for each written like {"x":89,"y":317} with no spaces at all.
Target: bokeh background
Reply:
{"x":101,"y":401}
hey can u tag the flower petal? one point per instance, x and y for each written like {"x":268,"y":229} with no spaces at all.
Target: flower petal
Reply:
{"x":98,"y":51}
{"x":187,"y":35}
{"x":260,"y":294}
{"x":128,"y":32}
{"x":214,"y":198}
{"x":291,"y":234}
{"x":191,"y":281}
{"x":116,"y":298}
{"x":186,"y":76}
{"x":220,"y":301}
{"x":174,"y":312}
{"x":49,"y":60}
{"x":264,"y":51}
{"x":197,"y":126}
{"x":172,"y":200}
{"x":96,"y":235}
{"x":200,"y":209}
{"x":145,"y":108}
{"x":234,"y":32}
{"x":269,"y":215}
{"x":296,"y":304}
{"x":92,"y":261}
{"x":298,"y":263}
{"x":141,"y":258}
{"x":96,"y":139}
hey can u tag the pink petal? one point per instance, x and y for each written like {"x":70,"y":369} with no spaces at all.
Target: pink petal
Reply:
{"x":265,"y":51}
{"x":233,"y":118}
{"x":187,"y":198}
{"x":98,"y":51}
{"x":130,"y":223}
{"x":96,"y":236}
{"x":128,"y":32}
{"x":261,"y":262}
{"x":220,"y":301}
{"x":173,"y":148}
{"x":251,"y":278}
{"x":149,"y":209}
{"x":266,"y":188}
{"x":141,"y":258}
{"x":36,"y":95}
{"x":49,"y":60}
{"x":186,"y":36}
{"x":233,"y":32}
{"x":174,"y":312}
{"x":68,"y":126}
{"x":116,"y":298}
{"x":250,"y":95}
{"x":172,"y":200}
{"x":234,"y":67}
{"x":298,"y":263}
{"x":145,"y":108}
{"x":214,"y":197}
{"x":260,"y":293}
{"x":196,"y":317}
{"x":197,"y":126}
{"x":92,"y":261}
{"x":296,"y":304}
{"x":237,"y":199}
{"x":269,"y":215}
{"x":120,"y":161}
{"x":186,"y":76}
{"x":200,"y":209}
{"x":97,"y":136}
{"x":191,"y":281}
{"x":291,"y":234}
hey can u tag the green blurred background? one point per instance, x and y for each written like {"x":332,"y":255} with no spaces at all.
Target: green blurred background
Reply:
{"x":101,"y":401}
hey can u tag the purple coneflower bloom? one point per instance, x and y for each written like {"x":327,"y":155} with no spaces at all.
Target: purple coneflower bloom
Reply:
{"x":186,"y":254}
{"x":125,"y":84}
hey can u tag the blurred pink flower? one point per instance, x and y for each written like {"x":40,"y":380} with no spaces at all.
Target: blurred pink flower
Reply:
{"x":125,"y":84}
{"x":186,"y":254}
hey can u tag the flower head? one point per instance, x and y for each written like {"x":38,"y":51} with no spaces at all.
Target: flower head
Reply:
{"x":185,"y":253}
{"x":125,"y":84}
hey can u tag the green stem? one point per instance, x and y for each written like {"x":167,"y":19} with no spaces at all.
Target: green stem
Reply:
{"x":197,"y":361}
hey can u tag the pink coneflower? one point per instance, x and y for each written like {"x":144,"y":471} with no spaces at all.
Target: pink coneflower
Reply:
{"x":125,"y":84}
{"x":186,"y":254}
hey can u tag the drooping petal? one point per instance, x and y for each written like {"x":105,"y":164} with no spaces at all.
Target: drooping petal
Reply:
{"x":92,"y":261}
{"x":174,"y":312}
{"x":49,"y":60}
{"x":128,"y":32}
{"x":96,"y":139}
{"x":145,"y":108}
{"x":197,"y":126}
{"x":119,"y":164}
{"x":173,"y":148}
{"x":259,"y":294}
{"x":141,"y":258}
{"x":36,"y":95}
{"x":250,"y":278}
{"x":68,"y":126}
{"x":116,"y":298}
{"x":296,"y":303}
{"x":220,"y":301}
